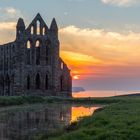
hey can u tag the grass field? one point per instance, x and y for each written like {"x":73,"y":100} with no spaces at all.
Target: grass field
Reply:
{"x":19,"y":100}
{"x":117,"y":121}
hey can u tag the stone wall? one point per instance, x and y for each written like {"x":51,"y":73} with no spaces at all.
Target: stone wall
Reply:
{"x":31,"y":64}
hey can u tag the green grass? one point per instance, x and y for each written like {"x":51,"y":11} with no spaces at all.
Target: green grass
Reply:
{"x":19,"y":100}
{"x":117,"y":121}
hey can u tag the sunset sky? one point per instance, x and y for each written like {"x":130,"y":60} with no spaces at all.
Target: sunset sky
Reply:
{"x":100,"y":39}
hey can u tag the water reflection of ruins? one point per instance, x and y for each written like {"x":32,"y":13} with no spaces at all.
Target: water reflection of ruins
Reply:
{"x":27,"y":122}
{"x":24,"y":125}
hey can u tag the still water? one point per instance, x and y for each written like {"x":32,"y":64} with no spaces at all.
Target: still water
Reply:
{"x":101,"y":93}
{"x":28,"y":122}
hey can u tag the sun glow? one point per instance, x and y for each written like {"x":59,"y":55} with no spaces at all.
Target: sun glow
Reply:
{"x":76,"y":77}
{"x":79,"y":112}
{"x":99,"y":54}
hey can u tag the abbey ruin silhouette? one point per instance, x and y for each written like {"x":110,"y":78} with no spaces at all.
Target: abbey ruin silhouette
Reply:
{"x":31,"y":65}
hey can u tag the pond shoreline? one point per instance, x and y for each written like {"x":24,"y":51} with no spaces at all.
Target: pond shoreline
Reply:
{"x":40,"y":119}
{"x":107,"y":123}
{"x":118,"y":120}
{"x":69,"y":128}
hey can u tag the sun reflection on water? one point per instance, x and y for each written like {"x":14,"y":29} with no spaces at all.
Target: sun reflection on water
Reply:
{"x":79,"y":112}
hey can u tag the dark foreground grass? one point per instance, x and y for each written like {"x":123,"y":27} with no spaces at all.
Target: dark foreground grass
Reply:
{"x":118,"y":121}
{"x":19,"y":100}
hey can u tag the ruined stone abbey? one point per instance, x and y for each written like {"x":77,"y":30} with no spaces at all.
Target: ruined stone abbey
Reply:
{"x":31,"y":65}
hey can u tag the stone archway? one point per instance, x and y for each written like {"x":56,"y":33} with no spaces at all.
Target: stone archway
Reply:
{"x":28,"y":82}
{"x":47,"y":82}
{"x":37,"y":81}
{"x":61,"y":83}
{"x":38,"y":47}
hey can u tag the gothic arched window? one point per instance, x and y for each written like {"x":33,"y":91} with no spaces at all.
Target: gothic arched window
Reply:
{"x":48,"y":53}
{"x":37,"y":44}
{"x":61,"y":83}
{"x":37,"y":81}
{"x":28,"y":82}
{"x":47,"y":82}
{"x":38,"y":52}
{"x":32,"y":30}
{"x":38,"y":27}
{"x":44,"y":31}
{"x":28,"y":45}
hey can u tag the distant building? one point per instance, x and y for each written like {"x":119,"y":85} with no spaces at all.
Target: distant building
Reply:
{"x":31,"y":65}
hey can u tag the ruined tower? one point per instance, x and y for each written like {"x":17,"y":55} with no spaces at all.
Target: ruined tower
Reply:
{"x":31,"y":65}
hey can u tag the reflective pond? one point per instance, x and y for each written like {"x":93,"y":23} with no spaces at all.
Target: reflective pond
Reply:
{"x":27,"y":122}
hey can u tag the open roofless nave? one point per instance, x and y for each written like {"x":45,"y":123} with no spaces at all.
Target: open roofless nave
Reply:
{"x":31,"y":65}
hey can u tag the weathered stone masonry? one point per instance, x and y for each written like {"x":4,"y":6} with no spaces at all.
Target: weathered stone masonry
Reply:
{"x":31,"y":65}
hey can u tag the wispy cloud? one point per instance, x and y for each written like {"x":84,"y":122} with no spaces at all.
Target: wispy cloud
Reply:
{"x":100,"y":52}
{"x":93,"y":52}
{"x":7,"y":26}
{"x":10,"y":14}
{"x":7,"y":32}
{"x":121,"y":2}
{"x":8,"y":21}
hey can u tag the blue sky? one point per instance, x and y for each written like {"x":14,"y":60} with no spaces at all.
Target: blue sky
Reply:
{"x":81,"y":13}
{"x":100,"y":39}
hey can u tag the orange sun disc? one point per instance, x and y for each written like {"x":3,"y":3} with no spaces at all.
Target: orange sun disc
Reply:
{"x":76,"y":77}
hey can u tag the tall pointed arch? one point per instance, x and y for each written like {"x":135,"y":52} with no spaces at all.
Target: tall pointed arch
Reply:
{"x":28,"y":45}
{"x":61,"y":83}
{"x":38,"y":45}
{"x":37,"y":81}
{"x":44,"y":31}
{"x":38,"y":27}
{"x":48,"y":52}
{"x":32,"y":30}
{"x":47,"y":82}
{"x":28,"y":82}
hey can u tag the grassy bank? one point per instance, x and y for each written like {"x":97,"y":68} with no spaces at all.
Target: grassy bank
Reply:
{"x":20,"y":100}
{"x":118,"y":121}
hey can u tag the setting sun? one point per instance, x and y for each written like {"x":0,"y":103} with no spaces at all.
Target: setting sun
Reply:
{"x":76,"y":77}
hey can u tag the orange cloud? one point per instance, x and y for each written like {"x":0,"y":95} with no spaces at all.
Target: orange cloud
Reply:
{"x":7,"y":26}
{"x":7,"y":32}
{"x":96,"y":52}
{"x":93,"y":52}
